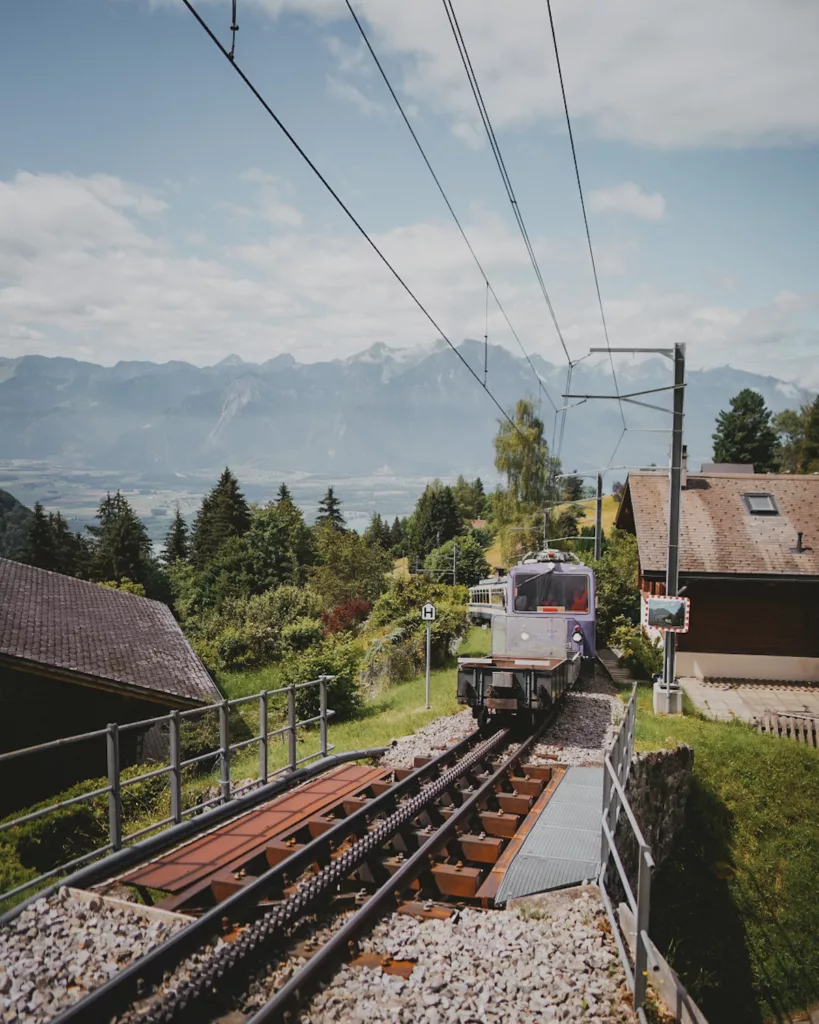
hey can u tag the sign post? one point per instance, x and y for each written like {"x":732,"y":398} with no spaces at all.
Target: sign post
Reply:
{"x":428,"y":614}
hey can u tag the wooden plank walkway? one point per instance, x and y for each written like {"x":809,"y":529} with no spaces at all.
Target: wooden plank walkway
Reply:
{"x":801,"y":728}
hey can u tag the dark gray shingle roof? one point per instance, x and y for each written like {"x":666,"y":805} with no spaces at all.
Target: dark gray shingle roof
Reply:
{"x":74,"y":626}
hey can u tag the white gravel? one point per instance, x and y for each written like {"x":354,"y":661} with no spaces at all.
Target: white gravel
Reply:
{"x":59,"y":949}
{"x":585,"y":724}
{"x":554,"y":964}
{"x":429,"y":741}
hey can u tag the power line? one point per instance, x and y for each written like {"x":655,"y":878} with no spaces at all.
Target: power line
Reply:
{"x":583,"y":205}
{"x":444,"y":196}
{"x":225,"y":53}
{"x":496,"y":152}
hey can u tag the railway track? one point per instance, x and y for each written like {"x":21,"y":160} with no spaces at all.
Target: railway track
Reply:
{"x":435,"y":832}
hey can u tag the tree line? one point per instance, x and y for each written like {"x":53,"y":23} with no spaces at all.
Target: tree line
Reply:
{"x":748,"y":432}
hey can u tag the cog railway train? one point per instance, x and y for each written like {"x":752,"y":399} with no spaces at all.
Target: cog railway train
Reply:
{"x":542,"y":621}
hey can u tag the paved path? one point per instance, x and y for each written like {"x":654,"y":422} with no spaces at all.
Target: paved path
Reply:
{"x":747,"y":701}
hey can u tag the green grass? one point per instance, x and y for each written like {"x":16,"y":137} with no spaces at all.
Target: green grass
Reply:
{"x":735,"y":906}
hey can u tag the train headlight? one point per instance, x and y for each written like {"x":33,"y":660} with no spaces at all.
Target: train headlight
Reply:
{"x":577,"y":636}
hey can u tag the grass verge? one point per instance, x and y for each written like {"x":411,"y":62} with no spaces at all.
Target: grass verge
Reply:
{"x":735,"y":907}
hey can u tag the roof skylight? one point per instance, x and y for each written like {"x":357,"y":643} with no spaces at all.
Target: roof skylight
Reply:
{"x":760,"y":504}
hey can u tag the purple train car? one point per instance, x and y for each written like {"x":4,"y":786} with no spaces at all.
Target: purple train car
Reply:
{"x":543,"y":636}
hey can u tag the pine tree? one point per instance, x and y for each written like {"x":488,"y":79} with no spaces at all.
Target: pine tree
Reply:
{"x":329,"y":513}
{"x":224,"y":513}
{"x":744,"y":434}
{"x":39,"y":546}
{"x":121,"y":547}
{"x":176,"y":540}
{"x":378,"y":532}
{"x":71,"y":552}
{"x":284,"y":494}
{"x":436,"y":520}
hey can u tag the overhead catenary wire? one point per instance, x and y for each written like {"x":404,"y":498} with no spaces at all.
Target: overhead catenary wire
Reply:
{"x":583,"y":206}
{"x":351,"y":216}
{"x":498,"y":155}
{"x":474,"y":85}
{"x":542,"y":387}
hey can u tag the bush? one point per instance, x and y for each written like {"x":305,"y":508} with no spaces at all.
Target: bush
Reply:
{"x":38,"y":846}
{"x":616,"y":579}
{"x":301,"y":634}
{"x":347,"y":616}
{"x":642,"y":656}
{"x":337,"y":656}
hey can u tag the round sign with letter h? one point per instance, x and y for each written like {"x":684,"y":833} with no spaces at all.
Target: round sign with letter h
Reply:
{"x":428,"y":613}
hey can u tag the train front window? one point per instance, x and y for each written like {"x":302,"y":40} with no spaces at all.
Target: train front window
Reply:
{"x":551,"y":592}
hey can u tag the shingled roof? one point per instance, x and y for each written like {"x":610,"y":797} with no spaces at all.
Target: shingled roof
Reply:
{"x":718,"y":533}
{"x":100,"y":636}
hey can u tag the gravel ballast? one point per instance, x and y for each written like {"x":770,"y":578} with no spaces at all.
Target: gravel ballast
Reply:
{"x":430,"y":740}
{"x":59,"y":949}
{"x":553,"y":963}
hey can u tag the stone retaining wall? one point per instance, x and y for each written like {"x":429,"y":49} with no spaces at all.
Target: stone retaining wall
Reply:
{"x":658,"y":788}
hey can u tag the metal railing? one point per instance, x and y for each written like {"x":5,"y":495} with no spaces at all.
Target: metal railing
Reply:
{"x":617,"y":763}
{"x":176,"y":765}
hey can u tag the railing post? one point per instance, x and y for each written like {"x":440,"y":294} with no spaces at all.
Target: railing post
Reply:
{"x":224,"y":750}
{"x":604,"y":848}
{"x":114,"y":791}
{"x":323,"y":713}
{"x":263,"y":737}
{"x":175,"y":757}
{"x":291,"y":722}
{"x":641,"y":926}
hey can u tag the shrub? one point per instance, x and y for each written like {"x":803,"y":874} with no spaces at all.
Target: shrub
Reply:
{"x":35,"y":847}
{"x":338,"y":656}
{"x":641,"y":655}
{"x":345,"y":617}
{"x":301,"y":634}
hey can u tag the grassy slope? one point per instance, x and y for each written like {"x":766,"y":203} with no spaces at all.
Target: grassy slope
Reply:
{"x":397,"y":711}
{"x":735,"y":906}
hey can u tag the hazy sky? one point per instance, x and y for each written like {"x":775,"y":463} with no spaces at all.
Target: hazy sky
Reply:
{"x":150,"y":209}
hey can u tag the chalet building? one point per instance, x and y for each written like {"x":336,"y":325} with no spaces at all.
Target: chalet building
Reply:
{"x":749,"y":560}
{"x":75,"y":656}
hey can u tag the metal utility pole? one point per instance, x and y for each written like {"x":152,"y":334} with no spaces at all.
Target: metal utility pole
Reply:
{"x":454,"y":563}
{"x":672,"y":576}
{"x":598,"y":522}
{"x":545,"y":529}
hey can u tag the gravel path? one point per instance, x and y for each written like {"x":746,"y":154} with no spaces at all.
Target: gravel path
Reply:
{"x":59,"y":949}
{"x":552,"y":964}
{"x":430,"y":740}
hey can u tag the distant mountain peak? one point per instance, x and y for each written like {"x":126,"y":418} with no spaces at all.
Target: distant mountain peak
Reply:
{"x":232,"y":360}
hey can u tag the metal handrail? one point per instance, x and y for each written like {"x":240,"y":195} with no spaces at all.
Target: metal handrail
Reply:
{"x":176,"y":764}
{"x":616,"y":768}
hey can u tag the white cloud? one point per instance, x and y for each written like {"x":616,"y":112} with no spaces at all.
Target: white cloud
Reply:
{"x":734,"y":73}
{"x":350,"y":93}
{"x":627,"y":198}
{"x":81,"y":276}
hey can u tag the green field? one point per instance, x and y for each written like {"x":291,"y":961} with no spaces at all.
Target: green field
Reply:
{"x":735,"y":906}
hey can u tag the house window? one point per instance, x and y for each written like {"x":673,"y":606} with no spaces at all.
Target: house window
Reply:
{"x":760,"y":504}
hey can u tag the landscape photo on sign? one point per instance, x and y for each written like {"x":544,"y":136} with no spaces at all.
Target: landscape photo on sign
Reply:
{"x":667,"y":612}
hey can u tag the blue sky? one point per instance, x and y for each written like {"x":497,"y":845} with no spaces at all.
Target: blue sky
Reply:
{"x":150,"y":209}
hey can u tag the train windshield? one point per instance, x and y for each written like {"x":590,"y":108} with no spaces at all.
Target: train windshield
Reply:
{"x":540,"y":591}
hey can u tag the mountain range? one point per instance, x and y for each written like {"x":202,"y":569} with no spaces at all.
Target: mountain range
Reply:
{"x":414,"y":412}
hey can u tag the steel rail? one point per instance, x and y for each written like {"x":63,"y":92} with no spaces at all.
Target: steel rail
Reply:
{"x":126,"y":986}
{"x":338,"y":946}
